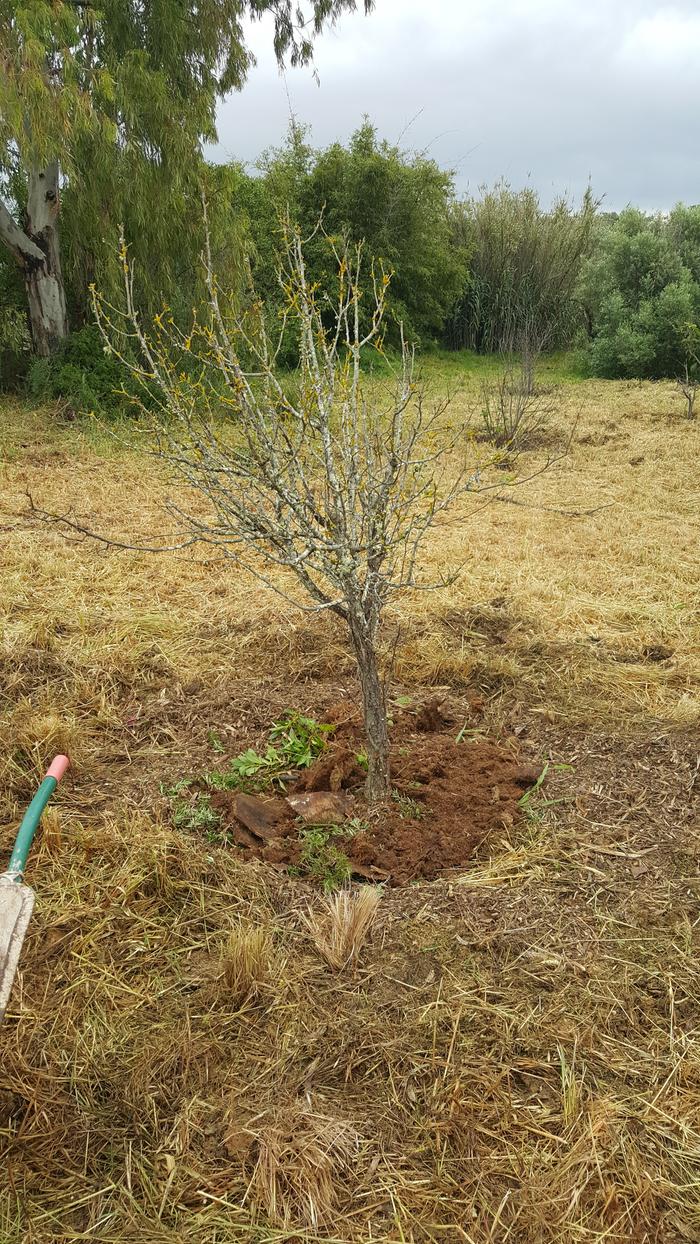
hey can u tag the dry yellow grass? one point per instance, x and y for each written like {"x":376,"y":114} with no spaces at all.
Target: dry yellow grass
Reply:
{"x":516,"y":1060}
{"x":340,"y":931}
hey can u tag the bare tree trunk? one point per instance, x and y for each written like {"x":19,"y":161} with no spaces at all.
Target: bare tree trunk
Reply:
{"x":45,"y":291}
{"x":377,"y":787}
{"x":36,"y":250}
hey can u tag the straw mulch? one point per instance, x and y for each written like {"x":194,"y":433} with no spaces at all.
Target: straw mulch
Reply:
{"x":509,"y":1054}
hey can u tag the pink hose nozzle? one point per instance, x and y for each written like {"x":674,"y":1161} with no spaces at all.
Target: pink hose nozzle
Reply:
{"x":57,"y":768}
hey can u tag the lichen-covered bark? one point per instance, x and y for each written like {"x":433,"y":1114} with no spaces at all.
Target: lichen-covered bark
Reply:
{"x":374,"y":713}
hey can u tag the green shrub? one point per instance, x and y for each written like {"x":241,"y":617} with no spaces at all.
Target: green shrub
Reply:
{"x":399,"y":206}
{"x":15,"y":342}
{"x":82,"y":374}
{"x":641,"y":296}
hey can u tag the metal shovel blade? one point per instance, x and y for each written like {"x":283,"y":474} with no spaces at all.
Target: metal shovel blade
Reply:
{"x":16,"y":903}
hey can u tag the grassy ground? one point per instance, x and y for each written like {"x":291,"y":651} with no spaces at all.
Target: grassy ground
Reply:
{"x":514,"y":1056}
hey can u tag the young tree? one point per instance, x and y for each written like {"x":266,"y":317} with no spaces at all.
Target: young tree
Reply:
{"x":324,"y":480}
{"x":689,"y":380}
{"x":116,"y":98}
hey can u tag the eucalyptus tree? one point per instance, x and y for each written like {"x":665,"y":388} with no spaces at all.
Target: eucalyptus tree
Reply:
{"x":115,"y":97}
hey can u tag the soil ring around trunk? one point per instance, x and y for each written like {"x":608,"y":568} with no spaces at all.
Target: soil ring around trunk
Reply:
{"x":448,"y":797}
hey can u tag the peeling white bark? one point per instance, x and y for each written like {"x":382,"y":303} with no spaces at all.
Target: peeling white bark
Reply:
{"x":36,"y":250}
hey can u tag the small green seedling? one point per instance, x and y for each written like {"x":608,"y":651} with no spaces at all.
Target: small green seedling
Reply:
{"x":409,"y":809}
{"x":469,"y":732}
{"x":533,"y":790}
{"x":322,"y":859}
{"x":529,"y":802}
{"x":196,"y":817}
{"x":215,"y":742}
{"x":178,"y":789}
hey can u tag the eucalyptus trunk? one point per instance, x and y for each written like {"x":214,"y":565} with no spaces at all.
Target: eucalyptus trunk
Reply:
{"x":36,"y":249}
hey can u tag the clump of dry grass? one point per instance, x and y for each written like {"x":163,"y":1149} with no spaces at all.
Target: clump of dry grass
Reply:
{"x":341,"y":929}
{"x":249,"y":962}
{"x":302,"y":1158}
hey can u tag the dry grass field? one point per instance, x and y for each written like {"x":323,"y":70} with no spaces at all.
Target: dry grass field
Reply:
{"x":508,"y":1054}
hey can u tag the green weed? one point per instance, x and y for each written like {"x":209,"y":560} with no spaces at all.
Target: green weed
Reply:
{"x":300,"y":739}
{"x":178,"y":789}
{"x":321,"y":859}
{"x":198,"y":817}
{"x":531,"y":803}
{"x":215,"y":742}
{"x":295,"y":742}
{"x":409,"y":809}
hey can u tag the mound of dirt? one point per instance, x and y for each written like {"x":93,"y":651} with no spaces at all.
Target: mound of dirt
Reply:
{"x":447,"y":798}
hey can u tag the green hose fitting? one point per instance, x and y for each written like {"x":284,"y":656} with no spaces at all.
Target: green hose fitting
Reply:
{"x":31,"y":818}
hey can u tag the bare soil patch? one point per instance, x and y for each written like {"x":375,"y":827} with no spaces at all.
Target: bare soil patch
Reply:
{"x":449,"y":795}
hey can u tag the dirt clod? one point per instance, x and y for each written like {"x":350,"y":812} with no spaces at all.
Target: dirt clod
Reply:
{"x":260,"y":817}
{"x":334,"y":770}
{"x":321,"y":807}
{"x":431,"y":716}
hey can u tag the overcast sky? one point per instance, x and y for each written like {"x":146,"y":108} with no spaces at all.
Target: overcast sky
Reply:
{"x":551,"y":91}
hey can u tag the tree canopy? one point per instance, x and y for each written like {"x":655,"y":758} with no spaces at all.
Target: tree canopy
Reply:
{"x":641,"y":290}
{"x":115,"y":100}
{"x":525,"y":262}
{"x":399,"y":205}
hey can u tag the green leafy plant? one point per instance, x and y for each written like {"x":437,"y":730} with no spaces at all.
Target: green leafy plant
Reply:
{"x":520,"y":295}
{"x":196,"y":817}
{"x":300,"y":739}
{"x":321,"y":859}
{"x":81,"y":374}
{"x":296,"y":741}
{"x":214,"y":741}
{"x":409,"y":809}
{"x":251,"y":765}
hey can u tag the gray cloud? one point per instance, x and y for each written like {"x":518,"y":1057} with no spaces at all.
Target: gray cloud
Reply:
{"x":549,"y":91}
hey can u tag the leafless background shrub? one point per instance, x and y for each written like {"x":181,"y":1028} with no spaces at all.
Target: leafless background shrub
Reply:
{"x":515,"y":414}
{"x":688,"y":383}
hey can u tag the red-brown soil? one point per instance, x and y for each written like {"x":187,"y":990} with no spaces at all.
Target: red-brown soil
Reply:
{"x":448,"y":797}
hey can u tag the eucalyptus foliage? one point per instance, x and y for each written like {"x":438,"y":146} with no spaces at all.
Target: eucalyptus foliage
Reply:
{"x":115,"y":100}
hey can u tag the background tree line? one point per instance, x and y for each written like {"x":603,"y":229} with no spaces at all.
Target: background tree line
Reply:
{"x":498,"y":272}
